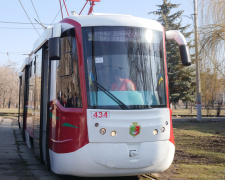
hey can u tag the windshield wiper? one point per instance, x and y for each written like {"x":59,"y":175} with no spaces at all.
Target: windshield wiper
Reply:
{"x":121,"y":104}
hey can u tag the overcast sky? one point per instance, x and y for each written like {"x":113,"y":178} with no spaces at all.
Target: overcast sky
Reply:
{"x":17,"y":39}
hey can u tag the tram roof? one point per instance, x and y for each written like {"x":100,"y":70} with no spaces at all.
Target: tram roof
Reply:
{"x":98,"y":19}
{"x":25,"y":63}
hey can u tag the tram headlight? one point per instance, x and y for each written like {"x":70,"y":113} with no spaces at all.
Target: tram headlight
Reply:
{"x":163,"y":129}
{"x":96,"y":124}
{"x":155,"y":132}
{"x":113,"y":133}
{"x":102,"y":131}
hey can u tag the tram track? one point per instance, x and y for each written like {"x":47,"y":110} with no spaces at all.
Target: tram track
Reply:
{"x":149,"y":176}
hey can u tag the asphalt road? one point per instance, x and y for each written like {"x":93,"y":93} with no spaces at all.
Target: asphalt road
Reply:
{"x":17,"y":161}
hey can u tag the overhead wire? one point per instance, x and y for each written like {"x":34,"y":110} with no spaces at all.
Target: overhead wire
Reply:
{"x":28,"y":17}
{"x":61,"y":8}
{"x":40,"y":23}
{"x":13,"y":22}
{"x":16,"y":54}
{"x":56,"y":15}
{"x":55,"y":18}
{"x":35,"y":11}
{"x":17,"y":28}
{"x":11,"y":53}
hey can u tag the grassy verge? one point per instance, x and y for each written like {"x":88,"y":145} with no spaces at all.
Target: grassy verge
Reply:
{"x":213,"y":112}
{"x":200,"y":149}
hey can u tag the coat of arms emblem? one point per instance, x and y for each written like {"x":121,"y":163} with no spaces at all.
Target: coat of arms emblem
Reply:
{"x":135,"y":129}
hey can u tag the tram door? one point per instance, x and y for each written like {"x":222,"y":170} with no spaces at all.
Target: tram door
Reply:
{"x":37,"y":103}
{"x":23,"y":100}
{"x":45,"y":100}
{"x":41,"y":103}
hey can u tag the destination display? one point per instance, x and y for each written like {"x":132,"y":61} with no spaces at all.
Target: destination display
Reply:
{"x":115,"y":36}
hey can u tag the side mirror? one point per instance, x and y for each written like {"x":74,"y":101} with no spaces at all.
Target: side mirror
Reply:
{"x":54,"y":46}
{"x":185,"y":55}
{"x":184,"y":49}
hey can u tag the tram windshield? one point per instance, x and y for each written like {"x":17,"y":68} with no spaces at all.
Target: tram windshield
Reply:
{"x":124,"y":67}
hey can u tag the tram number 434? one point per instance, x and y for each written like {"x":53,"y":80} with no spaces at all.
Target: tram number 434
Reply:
{"x":100,"y":114}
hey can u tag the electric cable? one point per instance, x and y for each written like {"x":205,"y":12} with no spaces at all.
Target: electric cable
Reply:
{"x":56,"y":16}
{"x":28,"y":17}
{"x":13,"y":22}
{"x":35,"y":11}
{"x":18,"y":28}
{"x":40,"y":23}
{"x":15,"y":53}
{"x":61,"y":8}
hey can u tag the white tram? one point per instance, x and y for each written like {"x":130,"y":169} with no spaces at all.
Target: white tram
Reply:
{"x":94,"y":96}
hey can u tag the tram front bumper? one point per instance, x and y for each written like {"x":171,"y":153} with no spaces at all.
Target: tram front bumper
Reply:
{"x":114,"y":159}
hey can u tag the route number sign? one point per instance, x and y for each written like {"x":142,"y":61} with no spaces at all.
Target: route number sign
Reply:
{"x":99,"y":114}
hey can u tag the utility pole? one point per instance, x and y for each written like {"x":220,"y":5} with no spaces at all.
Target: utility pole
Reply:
{"x":198,"y":83}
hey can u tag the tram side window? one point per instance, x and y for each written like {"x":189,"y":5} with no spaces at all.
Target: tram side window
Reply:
{"x":68,"y":84}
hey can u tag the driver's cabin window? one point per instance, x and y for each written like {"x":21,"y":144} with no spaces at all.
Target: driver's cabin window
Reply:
{"x":68,"y":83}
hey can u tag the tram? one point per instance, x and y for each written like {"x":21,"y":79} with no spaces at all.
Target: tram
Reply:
{"x":94,"y":98}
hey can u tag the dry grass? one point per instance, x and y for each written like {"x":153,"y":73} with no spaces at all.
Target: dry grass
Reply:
{"x":200,"y":149}
{"x":186,"y":112}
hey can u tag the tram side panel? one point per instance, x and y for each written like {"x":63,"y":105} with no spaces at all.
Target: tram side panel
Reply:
{"x":68,"y":126}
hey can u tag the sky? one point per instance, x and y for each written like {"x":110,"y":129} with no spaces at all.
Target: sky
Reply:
{"x":17,"y":34}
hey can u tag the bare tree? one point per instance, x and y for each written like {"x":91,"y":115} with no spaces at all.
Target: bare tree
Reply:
{"x":212,"y":38}
{"x":212,"y":34}
{"x":8,"y":87}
